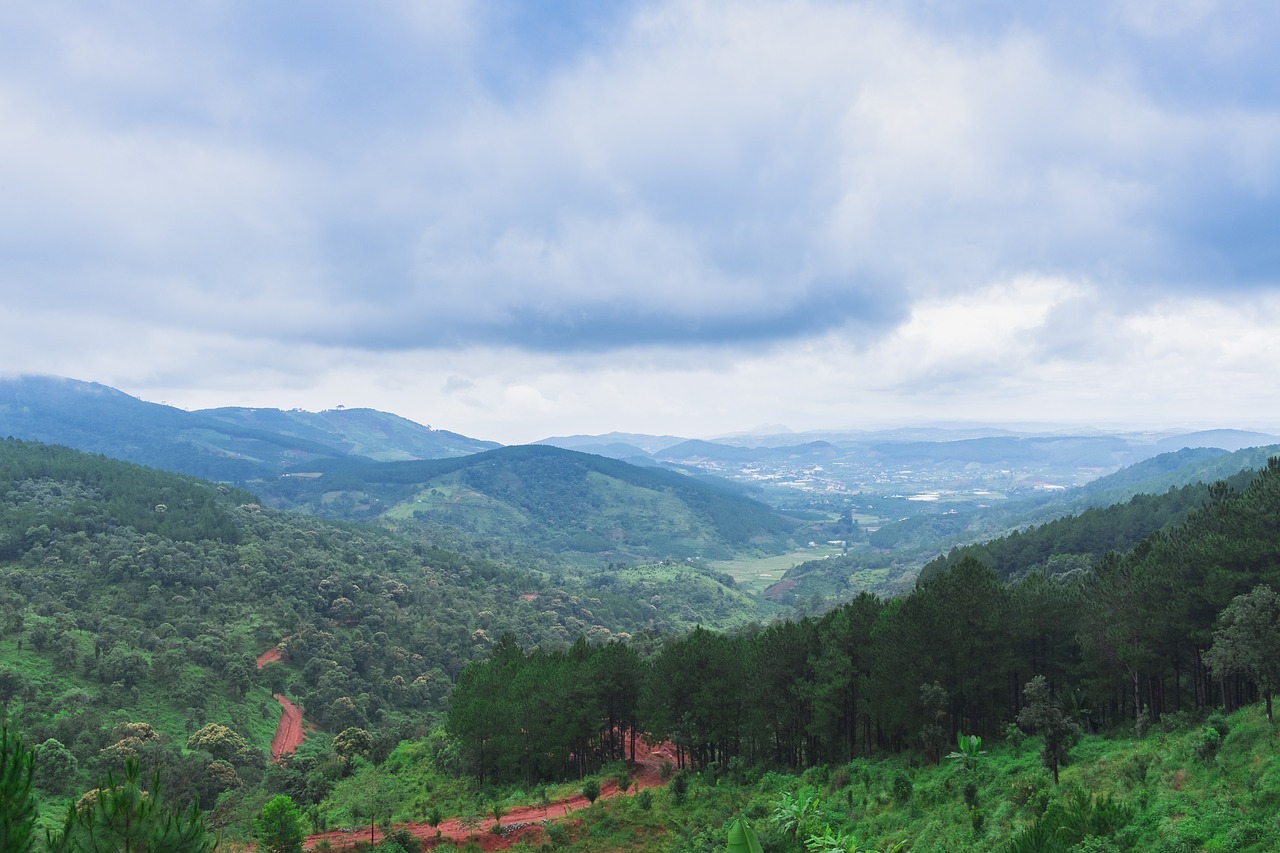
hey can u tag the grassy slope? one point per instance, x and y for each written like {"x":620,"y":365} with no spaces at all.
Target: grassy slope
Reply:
{"x":1179,"y":801}
{"x":757,"y":574}
{"x":1174,"y":797}
{"x":155,"y":704}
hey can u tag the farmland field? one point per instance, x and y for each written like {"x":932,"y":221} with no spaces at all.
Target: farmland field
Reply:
{"x":756,"y":574}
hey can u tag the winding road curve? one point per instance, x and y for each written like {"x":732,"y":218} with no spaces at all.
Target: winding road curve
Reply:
{"x":528,"y":820}
{"x":290,"y":731}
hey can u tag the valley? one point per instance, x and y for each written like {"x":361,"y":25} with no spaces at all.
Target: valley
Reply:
{"x":473,"y":637}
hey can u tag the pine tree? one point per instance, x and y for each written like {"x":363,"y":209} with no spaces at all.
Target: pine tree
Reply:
{"x":17,"y":799}
{"x":126,"y":816}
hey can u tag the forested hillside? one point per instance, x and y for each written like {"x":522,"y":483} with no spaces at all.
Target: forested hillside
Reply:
{"x":596,"y":509}
{"x":1124,"y":645}
{"x":133,"y":604}
{"x":365,"y":433}
{"x":1128,"y":636}
{"x":1079,"y":542}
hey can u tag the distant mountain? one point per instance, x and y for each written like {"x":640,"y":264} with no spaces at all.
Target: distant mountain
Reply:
{"x":362,"y":464}
{"x":546,"y":498}
{"x":1223,"y":439}
{"x":940,"y":457}
{"x":695,"y":451}
{"x":374,"y":435}
{"x":230,"y":445}
{"x":645,"y":444}
{"x":1072,"y":451}
{"x":613,"y":449}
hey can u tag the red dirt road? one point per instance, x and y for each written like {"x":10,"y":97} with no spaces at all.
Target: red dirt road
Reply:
{"x":290,"y":731}
{"x":646,"y":773}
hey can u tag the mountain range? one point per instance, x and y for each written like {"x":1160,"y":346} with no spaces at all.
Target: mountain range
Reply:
{"x":623,"y":498}
{"x":228,"y":444}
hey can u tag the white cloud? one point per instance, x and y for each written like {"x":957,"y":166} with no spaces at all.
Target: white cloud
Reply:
{"x":707,"y":210}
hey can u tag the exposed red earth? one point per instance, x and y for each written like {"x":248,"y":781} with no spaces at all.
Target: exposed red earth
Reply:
{"x":290,"y":731}
{"x":524,"y":823}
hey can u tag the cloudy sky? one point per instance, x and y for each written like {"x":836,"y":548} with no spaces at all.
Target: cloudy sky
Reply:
{"x":520,"y":219}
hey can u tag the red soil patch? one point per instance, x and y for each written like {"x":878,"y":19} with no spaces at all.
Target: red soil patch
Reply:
{"x":524,"y":822}
{"x":781,"y":588}
{"x":290,"y":731}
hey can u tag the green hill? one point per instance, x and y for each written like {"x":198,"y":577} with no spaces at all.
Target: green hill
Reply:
{"x":544,"y":504}
{"x":130,"y":595}
{"x":591,"y":508}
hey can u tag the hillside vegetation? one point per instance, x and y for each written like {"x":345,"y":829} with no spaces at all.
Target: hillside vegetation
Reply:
{"x":1176,"y":789}
{"x":958,"y":716}
{"x":965,"y":659}
{"x":596,"y":509}
{"x":135,"y":598}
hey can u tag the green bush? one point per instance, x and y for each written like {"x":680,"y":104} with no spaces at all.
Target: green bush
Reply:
{"x":1136,"y":768}
{"x":902,"y":788}
{"x":679,"y":787}
{"x":1026,"y":789}
{"x":557,"y":834}
{"x":1014,"y":735}
{"x":404,"y":838}
{"x":1208,"y":744}
{"x":1071,"y":819}
{"x":1219,"y":723}
{"x":1175,"y":721}
{"x":839,"y":780}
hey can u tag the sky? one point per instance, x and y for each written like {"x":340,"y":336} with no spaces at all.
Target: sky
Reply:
{"x":517,"y":219}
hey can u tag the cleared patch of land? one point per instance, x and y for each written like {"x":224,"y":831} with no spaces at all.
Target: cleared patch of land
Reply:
{"x":756,"y":574}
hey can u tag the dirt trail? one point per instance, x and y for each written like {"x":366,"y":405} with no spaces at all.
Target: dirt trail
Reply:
{"x":525,"y":820}
{"x":290,"y":731}
{"x":646,"y":772}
